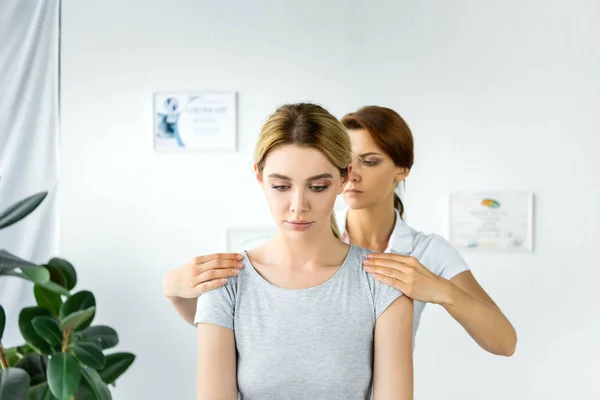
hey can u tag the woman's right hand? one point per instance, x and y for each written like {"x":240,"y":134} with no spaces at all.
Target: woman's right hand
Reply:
{"x":202,"y":274}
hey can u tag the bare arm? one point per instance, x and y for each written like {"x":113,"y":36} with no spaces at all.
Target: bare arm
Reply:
{"x":216,"y":376}
{"x":462,"y":297}
{"x":186,"y":308}
{"x":472,"y":307}
{"x":393,"y":364}
{"x":183,"y":285}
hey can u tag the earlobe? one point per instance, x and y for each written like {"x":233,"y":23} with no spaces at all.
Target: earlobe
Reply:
{"x":402,"y":174}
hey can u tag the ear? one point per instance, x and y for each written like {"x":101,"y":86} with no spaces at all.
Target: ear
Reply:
{"x":401,"y":174}
{"x":258,"y":174}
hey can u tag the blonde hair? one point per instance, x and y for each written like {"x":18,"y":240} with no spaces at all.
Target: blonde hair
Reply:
{"x":306,"y":125}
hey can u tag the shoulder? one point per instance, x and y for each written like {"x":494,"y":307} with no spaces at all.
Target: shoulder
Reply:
{"x":437,"y":254}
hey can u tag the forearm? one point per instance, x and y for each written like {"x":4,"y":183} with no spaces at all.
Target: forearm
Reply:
{"x":186,"y":308}
{"x":486,"y":324}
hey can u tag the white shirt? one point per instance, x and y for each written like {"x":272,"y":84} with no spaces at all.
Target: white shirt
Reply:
{"x":433,"y":251}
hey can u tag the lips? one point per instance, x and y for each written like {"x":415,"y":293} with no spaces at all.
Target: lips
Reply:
{"x":299,"y":225}
{"x":353,"y":191}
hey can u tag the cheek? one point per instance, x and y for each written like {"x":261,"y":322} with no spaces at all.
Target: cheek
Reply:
{"x":378,"y":181}
{"x":324,"y":202}
{"x":276,"y":200}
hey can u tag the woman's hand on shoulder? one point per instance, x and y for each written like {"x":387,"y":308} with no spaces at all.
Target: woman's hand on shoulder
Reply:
{"x":201,"y":274}
{"x":408,"y":275}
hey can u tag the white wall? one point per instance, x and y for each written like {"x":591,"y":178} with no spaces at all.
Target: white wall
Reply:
{"x":500,"y":96}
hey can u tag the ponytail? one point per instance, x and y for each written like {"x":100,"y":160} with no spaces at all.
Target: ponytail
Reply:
{"x":397,"y":205}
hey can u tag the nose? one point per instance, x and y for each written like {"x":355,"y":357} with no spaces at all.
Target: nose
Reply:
{"x":298,"y":203}
{"x":355,"y":172}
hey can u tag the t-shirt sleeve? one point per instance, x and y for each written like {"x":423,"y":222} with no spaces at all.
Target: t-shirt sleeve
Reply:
{"x":383,"y":295}
{"x":217,"y":307}
{"x":448,"y":262}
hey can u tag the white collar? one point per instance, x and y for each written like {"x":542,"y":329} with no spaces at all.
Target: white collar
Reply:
{"x":400,"y":241}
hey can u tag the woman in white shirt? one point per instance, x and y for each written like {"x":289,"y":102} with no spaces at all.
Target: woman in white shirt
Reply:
{"x":424,"y":267}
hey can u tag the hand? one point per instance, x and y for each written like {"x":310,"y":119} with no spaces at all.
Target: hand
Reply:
{"x":202,"y":274}
{"x":408,"y":275}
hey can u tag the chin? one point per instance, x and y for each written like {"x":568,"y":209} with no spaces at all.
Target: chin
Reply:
{"x":354,"y":203}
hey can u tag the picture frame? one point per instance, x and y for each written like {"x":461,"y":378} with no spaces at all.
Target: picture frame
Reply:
{"x":200,"y":121}
{"x":492,"y":221}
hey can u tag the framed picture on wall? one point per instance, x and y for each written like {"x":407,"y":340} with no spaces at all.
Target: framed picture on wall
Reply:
{"x":239,"y":239}
{"x":495,"y":222}
{"x":195,"y":121}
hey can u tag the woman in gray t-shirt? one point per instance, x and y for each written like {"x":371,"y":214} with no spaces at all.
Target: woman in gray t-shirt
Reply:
{"x":303,"y":320}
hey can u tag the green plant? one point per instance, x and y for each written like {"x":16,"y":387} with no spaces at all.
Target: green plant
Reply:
{"x":63,"y":356}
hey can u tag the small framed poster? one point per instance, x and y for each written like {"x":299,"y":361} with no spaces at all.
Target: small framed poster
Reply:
{"x":239,"y":239}
{"x":497,"y":222}
{"x":195,"y":121}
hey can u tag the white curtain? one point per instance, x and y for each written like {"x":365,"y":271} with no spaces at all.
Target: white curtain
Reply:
{"x":29,"y":80}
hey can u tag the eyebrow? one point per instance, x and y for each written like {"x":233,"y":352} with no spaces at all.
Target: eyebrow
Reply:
{"x":312,"y":178}
{"x":368,"y":154}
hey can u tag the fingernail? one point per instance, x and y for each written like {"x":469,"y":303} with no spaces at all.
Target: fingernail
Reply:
{"x":235,"y":271}
{"x":240,"y":265}
{"x":367,"y":268}
{"x":239,"y":257}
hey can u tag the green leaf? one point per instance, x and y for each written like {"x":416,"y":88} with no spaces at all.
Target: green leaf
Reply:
{"x":30,"y":271}
{"x":63,"y":271}
{"x":40,"y":392}
{"x":36,"y":366}
{"x":64,"y":375}
{"x":55,"y":288}
{"x":80,"y":301}
{"x":90,"y":354}
{"x":2,"y":321}
{"x":78,"y":319}
{"x":116,"y":365}
{"x":21,"y":209}
{"x":13,"y":384}
{"x":37,"y":274}
{"x":14,"y":354}
{"x":29,"y":333}
{"x":10,"y":261}
{"x":105,"y":336}
{"x":49,"y":329}
{"x":47,"y":299}
{"x":95,"y":382}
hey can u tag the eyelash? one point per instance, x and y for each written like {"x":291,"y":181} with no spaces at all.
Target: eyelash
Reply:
{"x":314,"y":188}
{"x":369,"y":163}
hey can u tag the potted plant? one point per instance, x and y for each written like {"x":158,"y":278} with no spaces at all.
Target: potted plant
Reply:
{"x":63,"y":355}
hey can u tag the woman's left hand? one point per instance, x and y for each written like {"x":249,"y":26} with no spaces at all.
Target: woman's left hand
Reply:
{"x":408,"y":275}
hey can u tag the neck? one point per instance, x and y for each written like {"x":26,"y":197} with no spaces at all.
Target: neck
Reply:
{"x":372,"y":227}
{"x":318,"y":249}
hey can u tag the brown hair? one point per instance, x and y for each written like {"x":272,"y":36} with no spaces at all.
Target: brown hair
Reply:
{"x":307,"y":125}
{"x":391,"y":134}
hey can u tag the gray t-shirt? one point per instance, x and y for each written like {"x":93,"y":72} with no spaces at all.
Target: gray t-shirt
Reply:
{"x":314,"y":343}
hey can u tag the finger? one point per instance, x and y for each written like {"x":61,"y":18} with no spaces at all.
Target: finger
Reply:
{"x":210,"y":285}
{"x":391,"y":282}
{"x":397,"y":265}
{"x":217,"y":256}
{"x":220,"y":264}
{"x":393,"y":257}
{"x":213,"y":274}
{"x":389,"y":272}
